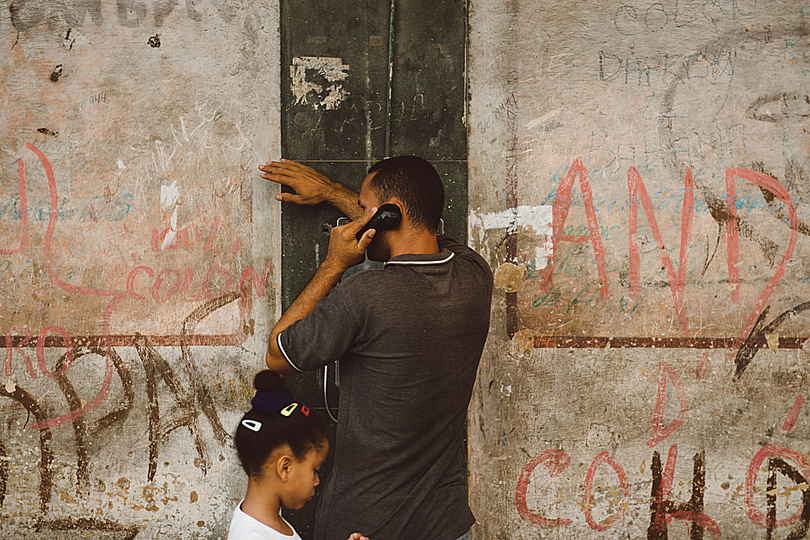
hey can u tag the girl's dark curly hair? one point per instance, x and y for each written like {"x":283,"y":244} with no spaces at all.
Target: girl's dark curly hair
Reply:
{"x":275,"y":420}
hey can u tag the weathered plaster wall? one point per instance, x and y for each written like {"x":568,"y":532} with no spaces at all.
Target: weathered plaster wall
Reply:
{"x":138,"y":257}
{"x":646,"y":366}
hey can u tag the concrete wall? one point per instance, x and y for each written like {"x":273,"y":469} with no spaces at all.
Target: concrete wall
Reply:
{"x":138,"y":257}
{"x":645,"y":369}
{"x":646,"y":363}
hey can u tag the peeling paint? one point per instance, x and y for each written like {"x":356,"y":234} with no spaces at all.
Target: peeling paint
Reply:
{"x":523,"y":342}
{"x":509,"y":277}
{"x":328,"y":71}
{"x":170,"y":199}
{"x":537,"y":219}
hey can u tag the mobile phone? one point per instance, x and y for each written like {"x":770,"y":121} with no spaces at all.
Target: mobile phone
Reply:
{"x":386,"y":218}
{"x":343,"y":220}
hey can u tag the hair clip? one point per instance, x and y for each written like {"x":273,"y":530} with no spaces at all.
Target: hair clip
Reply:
{"x":287,"y":411}
{"x":252,"y":425}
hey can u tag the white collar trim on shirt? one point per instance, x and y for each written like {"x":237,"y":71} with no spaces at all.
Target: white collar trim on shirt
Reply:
{"x":442,"y":261}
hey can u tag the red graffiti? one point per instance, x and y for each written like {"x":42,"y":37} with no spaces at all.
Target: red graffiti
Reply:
{"x":41,"y":350}
{"x":766,"y":451}
{"x":732,"y":238}
{"x":10,"y":348}
{"x":115,"y":297}
{"x":676,"y":283}
{"x":562,"y":205}
{"x":793,"y":414}
{"x":67,"y":342}
{"x":556,"y":461}
{"x":190,"y":236}
{"x":659,"y":432}
{"x":604,"y":458}
{"x":167,"y":283}
{"x":179,"y":283}
{"x":560,"y":209}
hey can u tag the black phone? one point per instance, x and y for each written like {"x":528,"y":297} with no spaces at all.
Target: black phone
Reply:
{"x":386,"y":218}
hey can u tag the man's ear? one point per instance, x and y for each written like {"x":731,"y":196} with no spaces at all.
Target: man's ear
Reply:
{"x":283,"y":466}
{"x":401,"y":206}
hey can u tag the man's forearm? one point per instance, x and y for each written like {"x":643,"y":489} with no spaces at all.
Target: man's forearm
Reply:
{"x":326,"y":277}
{"x":345,"y":200}
{"x":345,"y":250}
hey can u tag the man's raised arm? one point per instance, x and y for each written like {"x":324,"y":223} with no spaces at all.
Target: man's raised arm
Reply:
{"x":311,"y":187}
{"x":345,"y":250}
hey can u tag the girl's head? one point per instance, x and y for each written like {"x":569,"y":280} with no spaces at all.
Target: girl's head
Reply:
{"x":281,"y":438}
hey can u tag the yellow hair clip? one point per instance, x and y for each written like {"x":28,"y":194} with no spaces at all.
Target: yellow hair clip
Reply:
{"x":288,"y":410}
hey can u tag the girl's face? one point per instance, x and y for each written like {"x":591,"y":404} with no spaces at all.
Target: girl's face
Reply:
{"x":303,"y":477}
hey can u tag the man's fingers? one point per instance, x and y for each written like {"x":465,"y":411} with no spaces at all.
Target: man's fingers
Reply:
{"x":289,"y":197}
{"x":355,"y":226}
{"x":284,"y":167}
{"x":366,"y":239}
{"x":280,"y":171}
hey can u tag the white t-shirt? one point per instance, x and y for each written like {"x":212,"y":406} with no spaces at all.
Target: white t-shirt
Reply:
{"x":245,"y":527}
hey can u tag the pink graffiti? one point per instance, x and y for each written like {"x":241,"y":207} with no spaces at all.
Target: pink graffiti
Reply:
{"x":115,"y":298}
{"x":562,"y":205}
{"x":793,"y":414}
{"x":751,"y":478}
{"x":732,"y":238}
{"x":604,"y":458}
{"x":659,"y":432}
{"x":560,"y":209}
{"x":556,"y":461}
{"x":676,"y":283}
{"x":180,"y":282}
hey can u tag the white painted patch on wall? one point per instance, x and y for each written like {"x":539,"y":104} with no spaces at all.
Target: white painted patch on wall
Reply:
{"x":170,"y":197}
{"x":332,"y":70}
{"x":537,"y":218}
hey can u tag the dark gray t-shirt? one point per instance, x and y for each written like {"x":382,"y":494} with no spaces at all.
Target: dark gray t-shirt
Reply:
{"x":409,"y":338}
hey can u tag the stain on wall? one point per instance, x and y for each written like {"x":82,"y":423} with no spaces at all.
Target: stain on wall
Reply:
{"x":137,"y":262}
{"x":646,"y":367}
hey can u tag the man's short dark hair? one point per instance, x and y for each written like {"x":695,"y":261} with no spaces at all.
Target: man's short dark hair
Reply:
{"x":416,"y":183}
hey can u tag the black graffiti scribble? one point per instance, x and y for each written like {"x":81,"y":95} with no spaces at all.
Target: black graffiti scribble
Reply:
{"x":756,"y":338}
{"x":45,"y":446}
{"x":775,"y":465}
{"x":780,"y":107}
{"x":718,"y":209}
{"x":80,"y":431}
{"x":794,"y":178}
{"x":119,"y":413}
{"x":87,"y":524}
{"x":185,"y":414}
{"x":27,"y":14}
{"x":204,"y":397}
{"x":661,"y":508}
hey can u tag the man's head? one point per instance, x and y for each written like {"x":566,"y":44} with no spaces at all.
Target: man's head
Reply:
{"x":416,"y":184}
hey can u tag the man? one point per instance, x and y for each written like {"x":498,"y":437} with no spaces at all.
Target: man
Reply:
{"x":409,"y":338}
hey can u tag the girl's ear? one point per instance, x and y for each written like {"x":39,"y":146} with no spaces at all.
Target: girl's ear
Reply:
{"x":283,"y":466}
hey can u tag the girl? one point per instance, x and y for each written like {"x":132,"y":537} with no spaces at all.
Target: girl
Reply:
{"x":281,"y":445}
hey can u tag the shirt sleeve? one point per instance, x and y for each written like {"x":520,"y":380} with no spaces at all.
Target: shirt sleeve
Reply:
{"x":323,"y":336}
